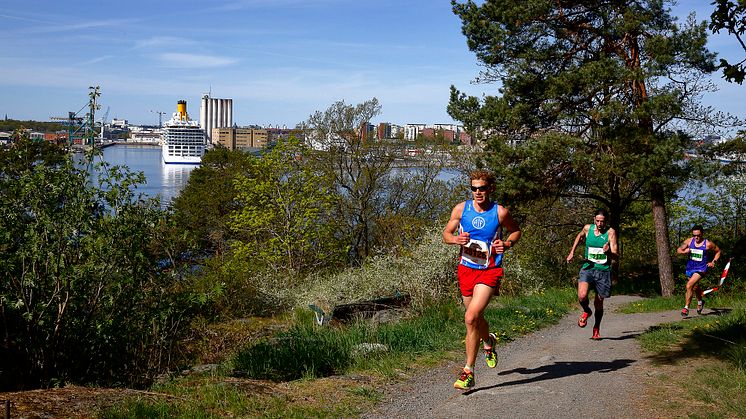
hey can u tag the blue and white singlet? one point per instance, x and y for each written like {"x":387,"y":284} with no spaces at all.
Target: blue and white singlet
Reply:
{"x":483,"y":229}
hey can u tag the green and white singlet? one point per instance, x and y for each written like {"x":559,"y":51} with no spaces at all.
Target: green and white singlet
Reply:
{"x":594,"y":250}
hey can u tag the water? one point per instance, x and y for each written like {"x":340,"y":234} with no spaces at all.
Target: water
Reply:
{"x":164,"y":180}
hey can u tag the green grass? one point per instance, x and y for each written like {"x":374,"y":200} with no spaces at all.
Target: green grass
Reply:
{"x":312,"y":371}
{"x":715,"y":302}
{"x":715,"y":343}
{"x":307,"y":350}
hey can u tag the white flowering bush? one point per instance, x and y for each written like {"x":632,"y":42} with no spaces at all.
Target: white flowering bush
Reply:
{"x":426,"y":274}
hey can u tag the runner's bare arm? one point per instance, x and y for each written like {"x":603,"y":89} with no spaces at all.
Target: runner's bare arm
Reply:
{"x":613,"y":249}
{"x":450,"y":233}
{"x":580,"y":236}
{"x":684,"y":248}
{"x":507,"y":221}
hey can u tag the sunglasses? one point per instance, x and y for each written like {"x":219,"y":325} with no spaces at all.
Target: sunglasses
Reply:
{"x":484,"y":188}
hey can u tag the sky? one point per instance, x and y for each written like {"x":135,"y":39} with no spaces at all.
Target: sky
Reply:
{"x":279,"y":60}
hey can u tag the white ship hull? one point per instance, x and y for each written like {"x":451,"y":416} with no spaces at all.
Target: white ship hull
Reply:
{"x":183,"y":141}
{"x":171,"y":159}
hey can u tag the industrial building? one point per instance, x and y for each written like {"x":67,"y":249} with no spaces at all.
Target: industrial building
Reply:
{"x":240,"y":138}
{"x":215,"y":113}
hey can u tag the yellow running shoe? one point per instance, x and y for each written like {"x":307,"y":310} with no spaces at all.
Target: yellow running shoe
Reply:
{"x":465,"y":380}
{"x":490,"y":357}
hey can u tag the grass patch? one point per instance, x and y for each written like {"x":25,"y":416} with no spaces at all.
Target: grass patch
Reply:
{"x":715,"y":344}
{"x":312,"y":371}
{"x":307,"y":350}
{"x":719,"y":303}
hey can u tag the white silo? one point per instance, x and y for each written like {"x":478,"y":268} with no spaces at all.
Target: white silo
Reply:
{"x":215,"y":113}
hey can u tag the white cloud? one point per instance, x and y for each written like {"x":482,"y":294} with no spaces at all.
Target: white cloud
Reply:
{"x":163,"y":42}
{"x":98,"y":59}
{"x":87,"y":25}
{"x":182,"y":60}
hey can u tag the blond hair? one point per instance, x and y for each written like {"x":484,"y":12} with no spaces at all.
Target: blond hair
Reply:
{"x":481,"y":174}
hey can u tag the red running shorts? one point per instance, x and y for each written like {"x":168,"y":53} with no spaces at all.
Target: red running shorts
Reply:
{"x":468,"y":278}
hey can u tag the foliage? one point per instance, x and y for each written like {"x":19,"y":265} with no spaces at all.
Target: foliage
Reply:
{"x":203,"y":209}
{"x":720,"y":206}
{"x":731,"y":16}
{"x":282,"y":221}
{"x":82,"y":296}
{"x":733,"y":152}
{"x":376,"y":203}
{"x":10,"y":125}
{"x":538,"y":262}
{"x":278,"y":219}
{"x":357,"y":166}
{"x":426,"y":273}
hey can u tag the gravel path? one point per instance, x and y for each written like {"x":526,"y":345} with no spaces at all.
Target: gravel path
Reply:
{"x":555,"y":372}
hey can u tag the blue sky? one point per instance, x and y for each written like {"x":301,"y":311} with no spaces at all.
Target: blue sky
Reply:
{"x":280,"y":60}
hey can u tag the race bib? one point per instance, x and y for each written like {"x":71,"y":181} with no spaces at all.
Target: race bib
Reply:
{"x":697,"y":255}
{"x":597,"y":255}
{"x":477,"y":252}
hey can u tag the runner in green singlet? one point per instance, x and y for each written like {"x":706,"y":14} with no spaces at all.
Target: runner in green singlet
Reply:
{"x":600,"y":249}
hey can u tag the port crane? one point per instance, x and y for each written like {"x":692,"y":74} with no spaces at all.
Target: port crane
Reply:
{"x":160,"y":118}
{"x":84,"y":124}
{"x":73,"y":124}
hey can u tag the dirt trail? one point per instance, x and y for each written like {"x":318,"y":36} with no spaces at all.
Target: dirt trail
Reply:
{"x":555,"y":372}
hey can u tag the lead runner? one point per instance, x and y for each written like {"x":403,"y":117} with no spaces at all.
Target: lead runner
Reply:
{"x":475,"y":225}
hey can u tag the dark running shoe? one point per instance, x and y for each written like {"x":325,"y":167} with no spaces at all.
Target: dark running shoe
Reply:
{"x":700,"y":306}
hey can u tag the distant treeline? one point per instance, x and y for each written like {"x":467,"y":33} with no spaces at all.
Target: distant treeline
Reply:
{"x":10,"y":125}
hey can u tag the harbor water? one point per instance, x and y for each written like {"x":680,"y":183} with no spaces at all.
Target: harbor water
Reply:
{"x":163,"y":180}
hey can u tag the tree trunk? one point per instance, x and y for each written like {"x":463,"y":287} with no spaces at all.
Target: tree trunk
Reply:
{"x":615,"y":223}
{"x":665,"y":269}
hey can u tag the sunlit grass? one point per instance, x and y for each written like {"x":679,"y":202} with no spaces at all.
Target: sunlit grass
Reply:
{"x":717,"y":344}
{"x":713,"y":302}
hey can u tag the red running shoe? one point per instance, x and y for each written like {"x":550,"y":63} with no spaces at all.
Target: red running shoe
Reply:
{"x":596,"y":336}
{"x":583,"y":320}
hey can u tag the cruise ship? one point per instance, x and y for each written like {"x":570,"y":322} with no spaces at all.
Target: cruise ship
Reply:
{"x":183,"y":141}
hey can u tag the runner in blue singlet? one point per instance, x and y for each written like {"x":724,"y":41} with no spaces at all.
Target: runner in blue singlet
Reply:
{"x":696,"y":247}
{"x":475,"y":227}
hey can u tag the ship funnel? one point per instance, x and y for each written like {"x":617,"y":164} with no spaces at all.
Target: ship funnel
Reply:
{"x":181,"y":110}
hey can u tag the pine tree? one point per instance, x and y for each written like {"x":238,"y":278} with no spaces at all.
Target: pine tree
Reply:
{"x":590,"y":96}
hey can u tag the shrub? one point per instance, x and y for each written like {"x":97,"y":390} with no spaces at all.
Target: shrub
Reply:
{"x":426,"y":273}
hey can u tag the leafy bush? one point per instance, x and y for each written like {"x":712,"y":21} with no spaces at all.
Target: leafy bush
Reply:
{"x":83,"y":296}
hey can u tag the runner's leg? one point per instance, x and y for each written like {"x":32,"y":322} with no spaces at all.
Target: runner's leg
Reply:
{"x":598,"y":304}
{"x":476,"y":325}
{"x":693,"y":280}
{"x":583,"y":296}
